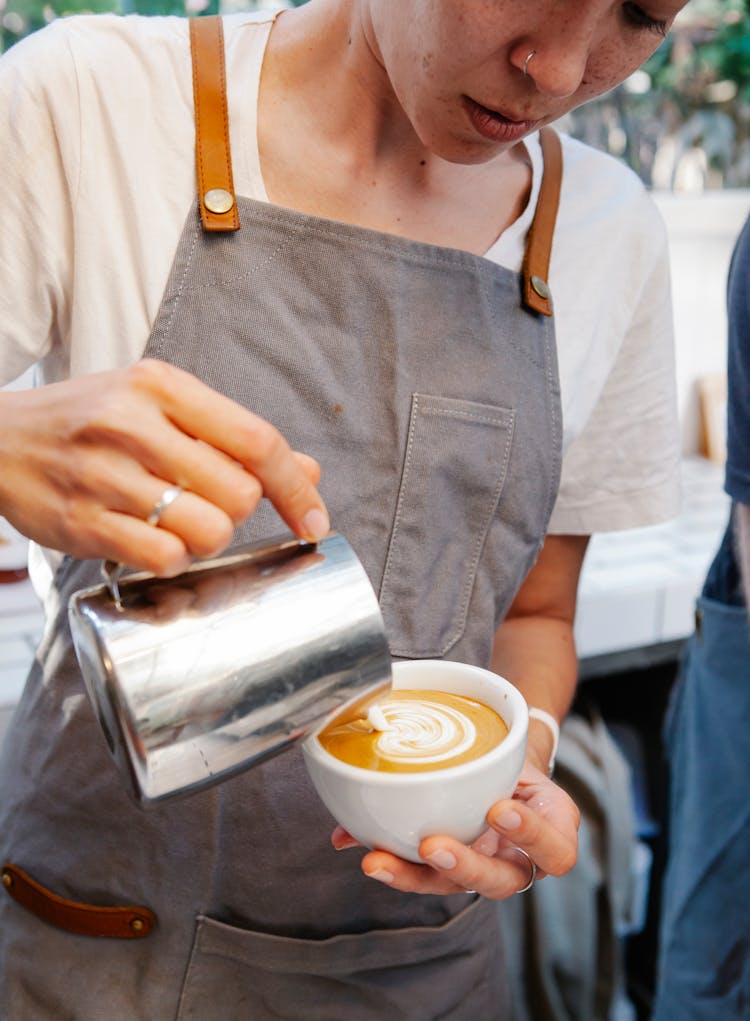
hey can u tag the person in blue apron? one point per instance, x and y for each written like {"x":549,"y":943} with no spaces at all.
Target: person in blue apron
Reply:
{"x":704,"y":951}
{"x":353,"y":320}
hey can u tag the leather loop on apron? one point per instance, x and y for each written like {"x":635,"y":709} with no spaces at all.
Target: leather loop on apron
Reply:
{"x":127,"y":922}
{"x":218,"y":204}
{"x":535,"y":269}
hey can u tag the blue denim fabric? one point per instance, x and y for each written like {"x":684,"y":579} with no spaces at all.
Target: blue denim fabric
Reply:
{"x":723,"y":581}
{"x":704,"y":959}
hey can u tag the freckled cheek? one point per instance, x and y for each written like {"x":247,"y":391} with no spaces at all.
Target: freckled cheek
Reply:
{"x":610,"y":65}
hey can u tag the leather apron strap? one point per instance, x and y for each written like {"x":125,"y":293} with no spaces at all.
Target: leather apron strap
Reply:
{"x":535,"y":268}
{"x":213,"y":157}
{"x":214,"y":164}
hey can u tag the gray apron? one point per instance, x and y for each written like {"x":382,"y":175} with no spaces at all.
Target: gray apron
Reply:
{"x":430,"y":397}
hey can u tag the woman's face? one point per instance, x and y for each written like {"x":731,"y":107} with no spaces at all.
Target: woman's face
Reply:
{"x":456,"y":66}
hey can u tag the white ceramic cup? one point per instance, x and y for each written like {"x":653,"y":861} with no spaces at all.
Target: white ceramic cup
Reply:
{"x":396,"y":811}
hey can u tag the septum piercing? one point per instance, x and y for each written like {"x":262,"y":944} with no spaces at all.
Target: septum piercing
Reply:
{"x":526,"y":62}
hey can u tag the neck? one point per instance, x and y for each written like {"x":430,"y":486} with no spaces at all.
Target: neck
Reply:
{"x":335,"y":141}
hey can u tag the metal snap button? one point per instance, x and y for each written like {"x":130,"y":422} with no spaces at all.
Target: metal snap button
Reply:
{"x":218,"y":200}
{"x":7,"y":880}
{"x":136,"y":924}
{"x":540,"y":286}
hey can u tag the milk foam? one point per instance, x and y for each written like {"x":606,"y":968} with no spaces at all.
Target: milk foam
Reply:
{"x":425,"y":731}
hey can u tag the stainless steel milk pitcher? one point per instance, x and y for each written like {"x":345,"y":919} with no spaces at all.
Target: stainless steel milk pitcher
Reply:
{"x":197,"y":677}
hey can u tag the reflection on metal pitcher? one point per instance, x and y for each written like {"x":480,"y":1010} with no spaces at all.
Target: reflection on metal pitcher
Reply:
{"x":198,"y":677}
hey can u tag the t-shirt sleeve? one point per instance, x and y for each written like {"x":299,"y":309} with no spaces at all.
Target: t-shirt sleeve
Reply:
{"x":622,"y":469}
{"x":738,"y":371}
{"x":40,"y":128}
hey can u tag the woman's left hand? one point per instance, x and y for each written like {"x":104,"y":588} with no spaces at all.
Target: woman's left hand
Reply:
{"x":540,"y":819}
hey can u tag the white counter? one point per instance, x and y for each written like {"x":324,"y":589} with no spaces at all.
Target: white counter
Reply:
{"x":638,"y":588}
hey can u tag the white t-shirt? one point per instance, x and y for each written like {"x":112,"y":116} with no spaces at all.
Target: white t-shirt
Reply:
{"x":96,"y":117}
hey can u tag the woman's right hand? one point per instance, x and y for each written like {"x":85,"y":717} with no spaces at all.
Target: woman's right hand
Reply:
{"x":83,"y":463}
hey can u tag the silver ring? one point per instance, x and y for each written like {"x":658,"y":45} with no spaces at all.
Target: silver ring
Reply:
{"x":168,"y":497}
{"x":525,"y":65}
{"x":532,"y":866}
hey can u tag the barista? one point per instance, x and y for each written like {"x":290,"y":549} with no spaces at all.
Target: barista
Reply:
{"x":362,"y":350}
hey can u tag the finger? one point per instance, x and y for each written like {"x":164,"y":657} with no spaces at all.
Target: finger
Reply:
{"x":342,"y":840}
{"x":213,"y":475}
{"x":127,"y":540}
{"x":408,"y":877}
{"x":492,"y":844}
{"x":309,"y":466}
{"x":284,"y":482}
{"x":204,"y":528}
{"x":248,"y":439}
{"x":553,"y":847}
{"x":117,"y":483}
{"x":497,"y":877}
{"x":205,"y":471}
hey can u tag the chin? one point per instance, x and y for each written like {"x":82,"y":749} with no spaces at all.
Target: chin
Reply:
{"x":471,"y":155}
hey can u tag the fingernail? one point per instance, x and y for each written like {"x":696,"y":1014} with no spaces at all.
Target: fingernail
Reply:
{"x":507,"y":820}
{"x":442,"y":859}
{"x":315,"y":524}
{"x":382,"y":875}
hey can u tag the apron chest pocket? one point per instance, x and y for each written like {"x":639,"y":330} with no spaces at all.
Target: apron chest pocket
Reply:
{"x":456,"y":462}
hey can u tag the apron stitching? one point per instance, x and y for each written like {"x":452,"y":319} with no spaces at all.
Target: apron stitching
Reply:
{"x":469,"y":415}
{"x":415,"y":260}
{"x":400,"y":502}
{"x":539,"y":363}
{"x":186,"y":974}
{"x":553,"y":405}
{"x":390,"y":244}
{"x":164,"y":331}
{"x":480,"y":539}
{"x":228,"y":281}
{"x":553,"y":398}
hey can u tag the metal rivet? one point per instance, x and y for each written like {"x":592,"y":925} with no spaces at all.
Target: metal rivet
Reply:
{"x":540,"y":286}
{"x":218,"y":200}
{"x":136,"y":924}
{"x":7,"y":880}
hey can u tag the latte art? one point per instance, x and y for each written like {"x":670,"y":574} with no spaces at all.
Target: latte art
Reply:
{"x":424,"y":730}
{"x":411,"y":730}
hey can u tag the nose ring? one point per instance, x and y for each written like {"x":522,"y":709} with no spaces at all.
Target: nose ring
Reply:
{"x":526,"y":62}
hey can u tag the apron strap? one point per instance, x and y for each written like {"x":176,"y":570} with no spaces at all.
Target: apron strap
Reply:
{"x":213,"y":158}
{"x":535,"y":269}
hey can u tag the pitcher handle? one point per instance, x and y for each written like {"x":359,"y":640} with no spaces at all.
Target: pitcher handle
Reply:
{"x":112,"y":572}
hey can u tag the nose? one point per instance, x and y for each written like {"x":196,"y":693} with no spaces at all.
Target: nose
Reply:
{"x":558,"y":76}
{"x":560,"y":58}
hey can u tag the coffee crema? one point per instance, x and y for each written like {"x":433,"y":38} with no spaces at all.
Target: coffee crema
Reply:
{"x":425,"y":730}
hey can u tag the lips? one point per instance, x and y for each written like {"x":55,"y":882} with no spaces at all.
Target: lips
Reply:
{"x":495,"y":126}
